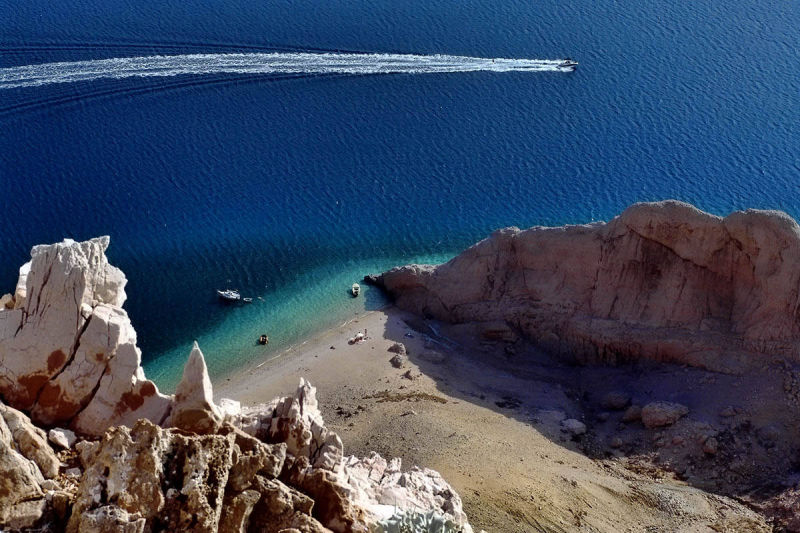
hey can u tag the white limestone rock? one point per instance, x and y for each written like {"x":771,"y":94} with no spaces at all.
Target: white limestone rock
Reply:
{"x":63,"y":438}
{"x":194,"y":408}
{"x":68,"y":347}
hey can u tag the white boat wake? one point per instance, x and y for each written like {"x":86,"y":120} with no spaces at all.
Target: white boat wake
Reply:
{"x":262,"y":63}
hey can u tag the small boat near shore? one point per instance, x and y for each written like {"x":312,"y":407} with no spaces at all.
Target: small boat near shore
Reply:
{"x":355,"y":290}
{"x":229,"y":295}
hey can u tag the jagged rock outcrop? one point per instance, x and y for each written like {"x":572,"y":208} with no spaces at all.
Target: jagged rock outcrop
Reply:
{"x":194,"y":408}
{"x":662,"y":281}
{"x":350,"y":494}
{"x":151,"y":478}
{"x":68,"y":352}
{"x":25,"y":461}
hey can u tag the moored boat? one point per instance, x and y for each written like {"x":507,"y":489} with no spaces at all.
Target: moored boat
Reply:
{"x":355,"y":289}
{"x":229,"y":295}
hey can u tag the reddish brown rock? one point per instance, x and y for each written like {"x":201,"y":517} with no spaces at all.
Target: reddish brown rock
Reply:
{"x":661,"y":281}
{"x":67,"y":349}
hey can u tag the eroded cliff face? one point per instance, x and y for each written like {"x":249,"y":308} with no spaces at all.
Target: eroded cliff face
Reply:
{"x":68,"y":356}
{"x":661,"y":281}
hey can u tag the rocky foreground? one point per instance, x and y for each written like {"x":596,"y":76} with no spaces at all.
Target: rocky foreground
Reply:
{"x":145,"y":461}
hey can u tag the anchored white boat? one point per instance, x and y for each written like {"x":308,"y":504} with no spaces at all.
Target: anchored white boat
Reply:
{"x":355,"y":289}
{"x":229,"y":295}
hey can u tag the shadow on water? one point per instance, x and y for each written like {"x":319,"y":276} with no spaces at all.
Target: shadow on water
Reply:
{"x":740,"y":438}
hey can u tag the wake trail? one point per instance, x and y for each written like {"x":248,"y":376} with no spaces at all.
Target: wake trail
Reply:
{"x":261,"y":63}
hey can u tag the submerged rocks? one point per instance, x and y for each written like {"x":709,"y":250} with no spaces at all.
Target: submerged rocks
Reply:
{"x":661,"y":281}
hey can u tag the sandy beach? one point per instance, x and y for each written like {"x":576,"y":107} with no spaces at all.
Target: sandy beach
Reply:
{"x":487,"y":419}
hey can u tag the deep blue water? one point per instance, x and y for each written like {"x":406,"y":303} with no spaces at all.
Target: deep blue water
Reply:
{"x":292,"y":189}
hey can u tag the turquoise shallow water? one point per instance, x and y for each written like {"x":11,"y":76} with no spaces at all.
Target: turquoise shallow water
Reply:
{"x":289,"y":315}
{"x":292,"y":187}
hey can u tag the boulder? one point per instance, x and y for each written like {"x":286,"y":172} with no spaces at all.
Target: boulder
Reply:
{"x":236,"y":511}
{"x":30,"y":441}
{"x":63,"y":438}
{"x":573,"y":427}
{"x":662,"y":281}
{"x":398,"y":348}
{"x":632,"y":413}
{"x":297,"y":421}
{"x":22,"y":500}
{"x":194,"y":408}
{"x":616,"y":401}
{"x":658,"y":414}
{"x":398,"y":361}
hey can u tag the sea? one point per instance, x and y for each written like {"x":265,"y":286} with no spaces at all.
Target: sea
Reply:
{"x":292,"y":183}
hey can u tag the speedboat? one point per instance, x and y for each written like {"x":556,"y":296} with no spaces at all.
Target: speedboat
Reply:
{"x":568,"y":64}
{"x":229,"y":295}
{"x":355,"y":289}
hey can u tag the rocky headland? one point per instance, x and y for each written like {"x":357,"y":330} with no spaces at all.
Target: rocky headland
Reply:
{"x":121,"y":456}
{"x":662,"y":281}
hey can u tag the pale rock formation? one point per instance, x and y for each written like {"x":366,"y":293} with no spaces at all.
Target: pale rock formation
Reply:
{"x":194,"y":408}
{"x":67,"y":350}
{"x":657,"y":414}
{"x":297,"y":421}
{"x":63,"y":438}
{"x":383,"y":489}
{"x":30,"y":441}
{"x":350,"y":494}
{"x":24,"y":456}
{"x":663,"y":281}
{"x":170,"y":481}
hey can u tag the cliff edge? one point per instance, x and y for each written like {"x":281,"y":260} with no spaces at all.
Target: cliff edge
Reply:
{"x":662,"y":281}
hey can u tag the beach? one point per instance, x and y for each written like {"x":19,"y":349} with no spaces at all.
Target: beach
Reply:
{"x":487,"y":420}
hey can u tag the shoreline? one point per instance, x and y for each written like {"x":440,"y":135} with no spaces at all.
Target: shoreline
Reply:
{"x":247,"y":383}
{"x":457,"y":401}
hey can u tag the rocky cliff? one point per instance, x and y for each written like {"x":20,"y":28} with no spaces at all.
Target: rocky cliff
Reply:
{"x":145,"y":461}
{"x":68,"y":351}
{"x":662,"y":281}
